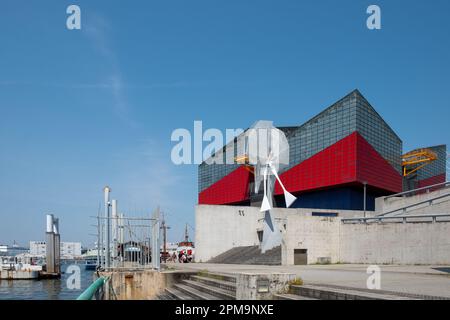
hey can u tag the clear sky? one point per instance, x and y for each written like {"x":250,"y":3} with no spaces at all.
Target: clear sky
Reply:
{"x":84,"y":108}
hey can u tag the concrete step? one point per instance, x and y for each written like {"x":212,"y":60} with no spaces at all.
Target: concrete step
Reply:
{"x":288,"y":296}
{"x":327,"y":293}
{"x":194,"y":293}
{"x":221,"y":284}
{"x":385,"y":292}
{"x":249,"y":255}
{"x":175,"y":294}
{"x":218,"y":276}
{"x":210,"y":290}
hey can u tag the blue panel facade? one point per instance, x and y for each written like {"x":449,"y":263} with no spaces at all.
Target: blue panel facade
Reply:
{"x":343,"y":198}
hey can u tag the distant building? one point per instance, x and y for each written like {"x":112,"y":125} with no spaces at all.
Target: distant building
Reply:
{"x":69,"y":250}
{"x":37,"y":248}
{"x":3,"y":249}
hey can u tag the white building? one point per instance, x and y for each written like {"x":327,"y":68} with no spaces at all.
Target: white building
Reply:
{"x":37,"y":248}
{"x":3,"y":249}
{"x":69,"y":250}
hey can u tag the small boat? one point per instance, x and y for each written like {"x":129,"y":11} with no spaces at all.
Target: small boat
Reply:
{"x":90,"y":264}
{"x":90,"y":260}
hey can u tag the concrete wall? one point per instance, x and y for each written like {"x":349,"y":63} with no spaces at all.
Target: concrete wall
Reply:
{"x":220,"y":228}
{"x":395,"y":243}
{"x":140,"y":284}
{"x":318,"y":235}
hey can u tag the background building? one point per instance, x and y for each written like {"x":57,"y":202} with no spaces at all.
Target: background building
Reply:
{"x":69,"y":250}
{"x":430,"y":174}
{"x":37,"y":248}
{"x":333,"y":157}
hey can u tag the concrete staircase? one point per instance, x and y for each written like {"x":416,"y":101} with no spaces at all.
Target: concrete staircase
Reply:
{"x":214,"y":286}
{"x":249,"y":255}
{"x":203,"y":286}
{"x":329,"y":292}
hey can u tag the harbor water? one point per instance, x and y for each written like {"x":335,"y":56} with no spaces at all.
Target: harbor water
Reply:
{"x":53,"y":289}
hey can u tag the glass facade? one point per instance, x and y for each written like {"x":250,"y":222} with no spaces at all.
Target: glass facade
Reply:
{"x":437,"y":167}
{"x":351,"y":113}
{"x":430,"y":174}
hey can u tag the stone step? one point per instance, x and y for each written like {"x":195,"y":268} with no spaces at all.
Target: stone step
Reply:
{"x":288,"y":296}
{"x":210,"y":290}
{"x":249,"y":255}
{"x":217,"y":283}
{"x":386,"y":292}
{"x":175,"y":294}
{"x":218,"y":276}
{"x":194,"y":293}
{"x":327,"y":293}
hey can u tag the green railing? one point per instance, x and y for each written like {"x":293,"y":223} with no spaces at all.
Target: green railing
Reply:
{"x":89,"y":293}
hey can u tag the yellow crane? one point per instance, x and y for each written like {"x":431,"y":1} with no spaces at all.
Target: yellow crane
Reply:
{"x":244,"y":160}
{"x":416,"y":159}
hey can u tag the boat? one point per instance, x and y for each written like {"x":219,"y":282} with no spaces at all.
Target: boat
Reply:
{"x":90,"y":259}
{"x":20,"y":267}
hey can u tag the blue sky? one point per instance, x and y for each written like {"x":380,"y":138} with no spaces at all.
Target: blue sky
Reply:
{"x":84,"y":108}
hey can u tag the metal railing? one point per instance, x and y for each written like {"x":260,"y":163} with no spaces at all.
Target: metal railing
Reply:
{"x":404,"y":218}
{"x":131,"y":244}
{"x":414,"y":192}
{"x":405,"y":208}
{"x":94,"y":289}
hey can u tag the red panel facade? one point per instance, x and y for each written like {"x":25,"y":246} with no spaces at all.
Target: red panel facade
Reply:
{"x":349,"y":160}
{"x":331,"y":166}
{"x":374,"y":169}
{"x":233,"y":188}
{"x":440,"y":178}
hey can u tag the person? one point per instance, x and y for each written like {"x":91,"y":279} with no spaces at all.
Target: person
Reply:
{"x":180,"y":256}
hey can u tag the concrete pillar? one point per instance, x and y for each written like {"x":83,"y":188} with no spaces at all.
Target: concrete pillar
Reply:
{"x":57,"y":245}
{"x":261,"y":286}
{"x":50,"y":245}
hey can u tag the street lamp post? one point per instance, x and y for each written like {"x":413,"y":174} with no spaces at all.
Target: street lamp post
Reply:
{"x":365,"y":193}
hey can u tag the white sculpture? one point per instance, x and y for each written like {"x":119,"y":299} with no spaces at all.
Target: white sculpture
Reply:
{"x":267,"y":150}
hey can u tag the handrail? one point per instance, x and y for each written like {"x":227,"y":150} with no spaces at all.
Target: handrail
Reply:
{"x":403,"y":208}
{"x":88,"y":294}
{"x":418,"y":189}
{"x":404,"y":217}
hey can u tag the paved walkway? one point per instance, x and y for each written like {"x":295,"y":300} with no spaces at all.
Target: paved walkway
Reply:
{"x":424,"y":280}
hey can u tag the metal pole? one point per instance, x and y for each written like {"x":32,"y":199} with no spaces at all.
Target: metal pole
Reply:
{"x":108,"y":229}
{"x":98,"y":239}
{"x":114,"y":230}
{"x":155,"y":240}
{"x":365,"y":187}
